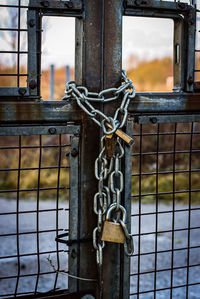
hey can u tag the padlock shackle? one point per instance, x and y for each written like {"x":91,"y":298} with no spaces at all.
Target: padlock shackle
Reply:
{"x":116,"y":207}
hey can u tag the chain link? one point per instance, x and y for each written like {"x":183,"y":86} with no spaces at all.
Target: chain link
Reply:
{"x":84,"y":98}
{"x":107,"y":171}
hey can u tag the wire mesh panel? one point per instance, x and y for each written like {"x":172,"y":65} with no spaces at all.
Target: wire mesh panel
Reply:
{"x":14,"y":43}
{"x":22,"y":34}
{"x":165,"y":211}
{"x":34,"y":210}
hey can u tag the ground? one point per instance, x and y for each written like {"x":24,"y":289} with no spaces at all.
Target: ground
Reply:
{"x":47,"y":221}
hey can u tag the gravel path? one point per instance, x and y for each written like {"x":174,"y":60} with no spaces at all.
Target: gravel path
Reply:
{"x":47,"y":220}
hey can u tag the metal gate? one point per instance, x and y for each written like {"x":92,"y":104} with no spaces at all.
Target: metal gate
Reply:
{"x":65,"y":143}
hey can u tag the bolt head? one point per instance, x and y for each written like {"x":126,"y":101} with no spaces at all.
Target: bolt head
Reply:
{"x":192,"y":21}
{"x":31,"y":23}
{"x":73,"y":253}
{"x":52,"y":131}
{"x":32,"y":84}
{"x":181,"y":5}
{"x":190,"y":80}
{"x":74,"y":152}
{"x":22,"y":91}
{"x":138,"y":2}
{"x":146,"y":2}
{"x":69,"y":4}
{"x":44,"y":3}
{"x":153,"y":120}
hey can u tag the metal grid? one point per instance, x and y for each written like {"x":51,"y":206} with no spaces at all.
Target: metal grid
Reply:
{"x":166,"y":166}
{"x":21,"y":41}
{"x":14,"y":43}
{"x":34,"y":209}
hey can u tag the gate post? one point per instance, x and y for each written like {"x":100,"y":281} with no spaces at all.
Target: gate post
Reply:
{"x":88,"y":72}
{"x":112,"y":255}
{"x":98,"y":66}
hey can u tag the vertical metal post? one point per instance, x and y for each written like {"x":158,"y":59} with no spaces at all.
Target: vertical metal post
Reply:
{"x":33,"y":23}
{"x":179,"y":55}
{"x":74,"y":213}
{"x":98,"y":65}
{"x":112,"y":255}
{"x":52,"y":83}
{"x":88,"y":72}
{"x":191,"y":25}
{"x":67,"y":73}
{"x":127,"y":205}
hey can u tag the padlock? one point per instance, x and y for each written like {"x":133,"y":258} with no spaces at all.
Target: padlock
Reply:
{"x":110,"y":145}
{"x":127,"y":139}
{"x":112,"y":231}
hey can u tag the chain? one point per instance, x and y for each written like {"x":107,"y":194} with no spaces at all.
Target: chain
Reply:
{"x":110,"y":186}
{"x":84,"y":99}
{"x":107,"y":170}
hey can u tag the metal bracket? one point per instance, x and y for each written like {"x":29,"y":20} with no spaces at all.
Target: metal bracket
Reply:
{"x":70,"y":242}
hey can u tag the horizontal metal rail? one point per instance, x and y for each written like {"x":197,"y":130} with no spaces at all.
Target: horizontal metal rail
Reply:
{"x":60,"y":111}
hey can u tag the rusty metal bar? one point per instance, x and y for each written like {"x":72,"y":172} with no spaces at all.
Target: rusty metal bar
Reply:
{"x":74,"y":213}
{"x":165,"y":103}
{"x":113,"y":258}
{"x":88,"y":66}
{"x":34,"y":46}
{"x":63,"y":111}
{"x":30,"y":112}
{"x":190,"y":24}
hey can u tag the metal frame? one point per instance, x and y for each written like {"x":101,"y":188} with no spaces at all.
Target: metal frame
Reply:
{"x":41,"y":130}
{"x":36,"y":10}
{"x":184,"y":17}
{"x":98,"y":66}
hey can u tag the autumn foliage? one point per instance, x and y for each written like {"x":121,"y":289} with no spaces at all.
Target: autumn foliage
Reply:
{"x":155,"y":75}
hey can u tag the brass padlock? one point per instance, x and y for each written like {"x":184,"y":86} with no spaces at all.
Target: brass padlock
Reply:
{"x":112,"y":231}
{"x":122,"y":135}
{"x":110,"y":145}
